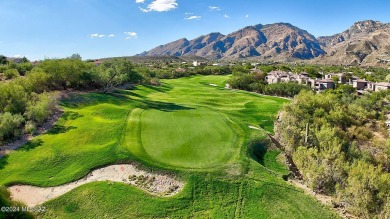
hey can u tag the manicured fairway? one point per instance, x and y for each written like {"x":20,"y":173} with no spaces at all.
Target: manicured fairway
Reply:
{"x":187,"y":127}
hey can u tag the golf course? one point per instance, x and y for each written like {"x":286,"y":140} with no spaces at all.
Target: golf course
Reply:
{"x":190,"y":130}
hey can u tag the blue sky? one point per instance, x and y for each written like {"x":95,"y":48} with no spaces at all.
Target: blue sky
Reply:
{"x":106,"y":28}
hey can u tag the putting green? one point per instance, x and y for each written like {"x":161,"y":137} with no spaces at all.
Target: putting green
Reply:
{"x":186,"y":137}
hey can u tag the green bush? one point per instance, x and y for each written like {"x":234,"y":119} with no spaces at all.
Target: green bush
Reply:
{"x":10,"y":126}
{"x":11,"y":73}
{"x":40,"y":107}
{"x":30,"y":127}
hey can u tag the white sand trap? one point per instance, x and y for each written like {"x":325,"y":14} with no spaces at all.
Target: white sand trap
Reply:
{"x":254,"y":127}
{"x":155,"y":183}
{"x":214,"y":85}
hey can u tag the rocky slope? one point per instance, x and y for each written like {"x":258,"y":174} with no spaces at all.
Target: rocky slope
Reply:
{"x":276,"y":41}
{"x":365,"y":42}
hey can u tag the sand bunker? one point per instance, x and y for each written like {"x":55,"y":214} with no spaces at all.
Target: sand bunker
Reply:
{"x":160,"y":184}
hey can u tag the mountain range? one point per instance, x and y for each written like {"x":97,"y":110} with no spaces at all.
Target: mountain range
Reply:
{"x":364,"y":43}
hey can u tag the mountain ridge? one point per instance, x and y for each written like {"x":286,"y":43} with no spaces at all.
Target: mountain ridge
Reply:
{"x":284,"y":41}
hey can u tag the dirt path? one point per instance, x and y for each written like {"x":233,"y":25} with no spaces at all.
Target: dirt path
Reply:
{"x":153,"y":182}
{"x":324,"y":199}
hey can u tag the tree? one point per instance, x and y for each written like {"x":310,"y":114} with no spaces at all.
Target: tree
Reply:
{"x":75,"y":56}
{"x":25,"y":60}
{"x":3,"y":60}
{"x":24,"y":67}
{"x":65,"y":73}
{"x":335,"y":79}
{"x":116,"y":72}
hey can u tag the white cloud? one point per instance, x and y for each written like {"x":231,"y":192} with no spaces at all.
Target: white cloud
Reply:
{"x":188,"y":13}
{"x":160,"y":6}
{"x":139,"y":1}
{"x":214,"y":8}
{"x":17,"y":56}
{"x":193,"y":17}
{"x":226,"y":16}
{"x":97,"y":35}
{"x":130,"y":35}
{"x":246,"y":16}
{"x":94,"y":35}
{"x":143,"y":9}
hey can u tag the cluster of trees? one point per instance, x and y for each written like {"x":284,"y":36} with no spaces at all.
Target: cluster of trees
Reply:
{"x":171,"y":71}
{"x":27,"y":102}
{"x":346,"y":150}
{"x":10,"y":70}
{"x":256,"y":83}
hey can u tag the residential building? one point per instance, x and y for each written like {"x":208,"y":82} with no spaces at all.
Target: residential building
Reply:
{"x":198,"y":63}
{"x":359,"y":84}
{"x":382,"y":86}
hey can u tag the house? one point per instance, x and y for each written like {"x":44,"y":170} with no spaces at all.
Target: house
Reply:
{"x":302,"y":78}
{"x":180,"y":70}
{"x":97,"y":62}
{"x":382,"y":86}
{"x":198,"y":63}
{"x":342,"y":77}
{"x":276,"y":77}
{"x":281,"y":76}
{"x":371,"y":86}
{"x":16,"y":60}
{"x":359,"y":84}
{"x":36,"y":62}
{"x":323,"y":84}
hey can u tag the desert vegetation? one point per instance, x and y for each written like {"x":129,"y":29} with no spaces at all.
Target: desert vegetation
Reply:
{"x":345,"y":150}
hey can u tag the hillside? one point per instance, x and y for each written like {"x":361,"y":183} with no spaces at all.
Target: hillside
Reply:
{"x":277,"y":41}
{"x":365,"y":42}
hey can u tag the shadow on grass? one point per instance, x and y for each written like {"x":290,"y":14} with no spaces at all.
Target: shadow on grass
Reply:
{"x":58,"y":129}
{"x":31,"y":145}
{"x":91,"y":99}
{"x":118,"y":98}
{"x":258,"y":148}
{"x":71,"y":115}
{"x":163,"y":106}
{"x":162,"y":88}
{"x":3,"y":162}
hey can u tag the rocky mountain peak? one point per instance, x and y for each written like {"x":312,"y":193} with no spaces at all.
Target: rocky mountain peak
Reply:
{"x":367,"y":26}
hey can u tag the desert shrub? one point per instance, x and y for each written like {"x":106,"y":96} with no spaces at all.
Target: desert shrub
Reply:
{"x":9,"y":126}
{"x":11,"y":73}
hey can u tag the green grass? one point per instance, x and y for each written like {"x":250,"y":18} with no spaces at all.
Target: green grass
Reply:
{"x":203,"y":197}
{"x":192,"y":138}
{"x":186,"y":126}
